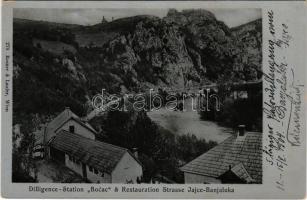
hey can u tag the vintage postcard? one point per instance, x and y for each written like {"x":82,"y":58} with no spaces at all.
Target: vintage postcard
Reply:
{"x":153,"y":99}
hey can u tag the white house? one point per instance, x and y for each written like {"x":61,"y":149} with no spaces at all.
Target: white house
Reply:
{"x":66,"y":120}
{"x":71,"y":141}
{"x":238,"y":159}
{"x":96,"y":161}
{"x":69,"y":121}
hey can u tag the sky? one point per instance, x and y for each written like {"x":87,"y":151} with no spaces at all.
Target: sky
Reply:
{"x":231,"y":17}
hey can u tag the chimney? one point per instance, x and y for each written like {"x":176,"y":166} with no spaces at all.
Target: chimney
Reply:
{"x":241,"y":130}
{"x":135,"y":152}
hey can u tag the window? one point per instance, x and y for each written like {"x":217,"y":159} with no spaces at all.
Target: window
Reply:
{"x":95,"y":171}
{"x":129,"y":181}
{"x":90,"y":168}
{"x":138,"y":180}
{"x":73,"y":159}
{"x":69,"y":157}
{"x":72,"y":129}
{"x":101,"y":174}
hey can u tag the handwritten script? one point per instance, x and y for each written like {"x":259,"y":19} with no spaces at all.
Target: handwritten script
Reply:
{"x":282,"y":100}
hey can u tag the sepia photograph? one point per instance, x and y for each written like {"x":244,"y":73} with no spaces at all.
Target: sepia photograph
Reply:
{"x":131,"y":95}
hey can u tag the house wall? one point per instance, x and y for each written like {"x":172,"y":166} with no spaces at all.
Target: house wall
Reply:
{"x":73,"y":166}
{"x":57,"y":155}
{"x":97,"y":177}
{"x":196,"y":178}
{"x":79,"y":129}
{"x":127,"y":169}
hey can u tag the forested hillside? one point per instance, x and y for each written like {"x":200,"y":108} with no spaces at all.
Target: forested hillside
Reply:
{"x":68,"y":64}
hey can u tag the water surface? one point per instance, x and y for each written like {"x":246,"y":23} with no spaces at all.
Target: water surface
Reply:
{"x":184,"y":122}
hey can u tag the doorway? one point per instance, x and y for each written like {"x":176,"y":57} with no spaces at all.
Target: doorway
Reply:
{"x":84,"y":170}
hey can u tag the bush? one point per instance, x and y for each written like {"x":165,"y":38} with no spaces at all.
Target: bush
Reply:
{"x":242,"y":111}
{"x":234,"y":112}
{"x":160,"y":151}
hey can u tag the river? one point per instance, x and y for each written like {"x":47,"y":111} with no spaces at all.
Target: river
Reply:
{"x":188,"y":121}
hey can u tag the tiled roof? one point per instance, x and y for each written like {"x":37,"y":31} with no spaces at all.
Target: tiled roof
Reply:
{"x":240,"y":171}
{"x":100,"y":155}
{"x":235,"y":150}
{"x":63,"y":117}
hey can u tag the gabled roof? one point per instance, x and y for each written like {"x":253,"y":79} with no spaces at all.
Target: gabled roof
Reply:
{"x":242,"y":153}
{"x":61,"y":119}
{"x":240,"y":171}
{"x":100,"y":155}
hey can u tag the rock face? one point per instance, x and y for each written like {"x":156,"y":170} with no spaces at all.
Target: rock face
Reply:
{"x":208,"y":41}
{"x":154,"y":53}
{"x":248,"y":38}
{"x":133,"y":54}
{"x":183,"y":47}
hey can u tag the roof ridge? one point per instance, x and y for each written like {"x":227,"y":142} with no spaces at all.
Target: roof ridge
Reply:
{"x":102,"y":155}
{"x":97,"y":141}
{"x":217,"y":146}
{"x":68,"y":114}
{"x":73,"y":115}
{"x":242,"y":166}
{"x":231,"y":151}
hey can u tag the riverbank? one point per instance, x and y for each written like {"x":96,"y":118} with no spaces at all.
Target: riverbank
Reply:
{"x":189,"y":121}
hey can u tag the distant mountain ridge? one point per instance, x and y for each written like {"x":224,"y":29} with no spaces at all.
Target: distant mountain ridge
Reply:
{"x":68,"y":64}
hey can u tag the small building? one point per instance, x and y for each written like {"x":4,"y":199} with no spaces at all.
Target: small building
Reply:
{"x":69,"y":121}
{"x":238,"y":159}
{"x":66,"y":120}
{"x":103,"y":21}
{"x":95,"y":161}
{"x":246,"y":90}
{"x":71,"y":141}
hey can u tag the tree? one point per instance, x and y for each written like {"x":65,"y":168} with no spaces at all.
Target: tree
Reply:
{"x":23,"y":165}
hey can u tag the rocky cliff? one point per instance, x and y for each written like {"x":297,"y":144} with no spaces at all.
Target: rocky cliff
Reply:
{"x":248,"y":39}
{"x":56,"y":65}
